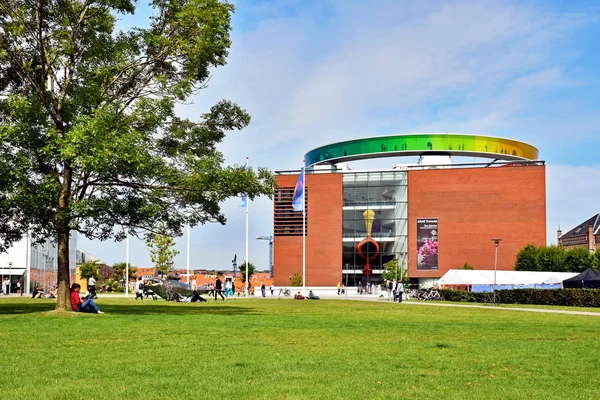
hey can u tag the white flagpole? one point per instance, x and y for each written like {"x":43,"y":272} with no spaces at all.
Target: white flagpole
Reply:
{"x":127,"y":267}
{"x":247,"y":260}
{"x":188,"y":254}
{"x":304,"y":226}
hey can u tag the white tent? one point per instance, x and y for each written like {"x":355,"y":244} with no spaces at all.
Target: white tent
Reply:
{"x":463,"y":277}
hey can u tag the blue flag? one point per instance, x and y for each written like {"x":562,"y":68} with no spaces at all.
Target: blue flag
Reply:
{"x":298,"y":200}
{"x":244,"y":198}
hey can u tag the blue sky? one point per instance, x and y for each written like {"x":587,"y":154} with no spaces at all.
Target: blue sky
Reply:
{"x":314,"y":72}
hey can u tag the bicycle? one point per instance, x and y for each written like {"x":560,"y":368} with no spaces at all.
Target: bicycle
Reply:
{"x":493,"y":298}
{"x":286,"y":292}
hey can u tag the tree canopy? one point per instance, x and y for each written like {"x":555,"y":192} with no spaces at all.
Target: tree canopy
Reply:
{"x":88,"y":269}
{"x":89,"y":135}
{"x":554,"y":258}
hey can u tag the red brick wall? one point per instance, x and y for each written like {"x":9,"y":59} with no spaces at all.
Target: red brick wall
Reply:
{"x":324,"y":239}
{"x":474,"y":205}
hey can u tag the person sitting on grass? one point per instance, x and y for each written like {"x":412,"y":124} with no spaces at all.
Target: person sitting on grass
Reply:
{"x":38,"y":293}
{"x":299,"y":296}
{"x":312,"y":296}
{"x":52,"y":293}
{"x":82,"y":306}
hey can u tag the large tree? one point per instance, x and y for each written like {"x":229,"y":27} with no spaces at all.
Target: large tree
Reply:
{"x":89,"y":136}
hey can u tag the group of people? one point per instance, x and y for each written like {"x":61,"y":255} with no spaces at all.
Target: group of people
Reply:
{"x":6,"y":286}
{"x":341,"y":289}
{"x":38,"y":293}
{"x":311,"y":296}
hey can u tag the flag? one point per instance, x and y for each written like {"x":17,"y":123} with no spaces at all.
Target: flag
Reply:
{"x":244,"y":198}
{"x":298,"y":200}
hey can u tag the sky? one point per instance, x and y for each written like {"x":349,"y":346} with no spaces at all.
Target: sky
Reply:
{"x":314,"y":72}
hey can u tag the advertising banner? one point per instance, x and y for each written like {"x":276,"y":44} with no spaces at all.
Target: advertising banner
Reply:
{"x":427,"y":244}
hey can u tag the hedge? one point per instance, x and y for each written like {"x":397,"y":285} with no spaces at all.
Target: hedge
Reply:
{"x":550,"y":297}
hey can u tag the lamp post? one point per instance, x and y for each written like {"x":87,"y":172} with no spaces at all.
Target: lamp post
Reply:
{"x":497,"y":243}
{"x":9,"y":276}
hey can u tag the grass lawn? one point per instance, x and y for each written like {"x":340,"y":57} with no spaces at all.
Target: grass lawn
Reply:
{"x":274,"y":349}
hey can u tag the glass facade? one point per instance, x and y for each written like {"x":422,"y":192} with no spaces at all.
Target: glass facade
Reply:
{"x":43,"y":262}
{"x":385,"y":195}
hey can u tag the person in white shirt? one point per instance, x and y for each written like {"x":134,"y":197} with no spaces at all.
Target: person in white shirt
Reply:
{"x":6,"y":285}
{"x":194,"y":284}
{"x":272,"y":287}
{"x":228,"y":288}
{"x":92,"y":287}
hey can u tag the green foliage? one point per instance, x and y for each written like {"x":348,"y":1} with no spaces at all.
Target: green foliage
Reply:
{"x":596,"y":259}
{"x":162,"y":250}
{"x":88,"y":269}
{"x":527,"y":259}
{"x":577,"y":259}
{"x":394,"y":271}
{"x":251,"y":270}
{"x":550,"y":297}
{"x":119,"y":271}
{"x":555,"y":259}
{"x":88,"y":130}
{"x":296,"y":279}
{"x":467,"y":266}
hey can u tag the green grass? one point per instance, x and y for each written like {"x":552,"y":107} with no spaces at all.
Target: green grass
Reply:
{"x":285,"y":349}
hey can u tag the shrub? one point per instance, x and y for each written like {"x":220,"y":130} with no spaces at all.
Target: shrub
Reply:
{"x":550,"y":297}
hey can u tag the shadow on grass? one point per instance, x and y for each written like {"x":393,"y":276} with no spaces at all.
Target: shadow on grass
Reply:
{"x":14,"y":308}
{"x":26,"y":308}
{"x":177,"y":309}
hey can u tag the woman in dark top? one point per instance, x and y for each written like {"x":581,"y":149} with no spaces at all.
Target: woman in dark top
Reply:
{"x":219,"y":288}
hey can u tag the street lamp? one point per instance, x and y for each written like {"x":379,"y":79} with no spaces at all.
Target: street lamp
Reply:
{"x":9,"y":276}
{"x":497,"y":243}
{"x":270,"y":239}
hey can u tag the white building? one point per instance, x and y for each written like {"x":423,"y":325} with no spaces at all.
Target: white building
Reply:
{"x":36,"y":264}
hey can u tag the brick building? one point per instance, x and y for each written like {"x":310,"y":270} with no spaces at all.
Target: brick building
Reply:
{"x":586,"y":235}
{"x":432,"y":216}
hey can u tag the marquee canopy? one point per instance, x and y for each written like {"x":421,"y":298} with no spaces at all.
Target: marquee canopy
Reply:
{"x":462,"y":277}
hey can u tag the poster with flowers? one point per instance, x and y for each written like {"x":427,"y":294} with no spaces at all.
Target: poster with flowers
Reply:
{"x":427,"y":244}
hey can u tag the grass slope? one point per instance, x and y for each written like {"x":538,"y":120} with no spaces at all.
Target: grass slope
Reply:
{"x":285,"y":349}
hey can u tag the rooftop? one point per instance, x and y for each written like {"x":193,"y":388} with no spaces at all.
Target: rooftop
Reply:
{"x":582,"y":229}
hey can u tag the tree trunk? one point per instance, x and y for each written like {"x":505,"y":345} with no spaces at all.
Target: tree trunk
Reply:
{"x":63,"y":299}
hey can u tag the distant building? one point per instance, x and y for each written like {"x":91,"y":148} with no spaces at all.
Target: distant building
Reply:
{"x":586,"y":235}
{"x":35,"y":263}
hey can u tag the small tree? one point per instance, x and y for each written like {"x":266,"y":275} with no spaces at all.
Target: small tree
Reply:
{"x":596,"y":259}
{"x":528,"y":259}
{"x":88,"y":269}
{"x":394,"y":271}
{"x":467,"y":266}
{"x":577,"y":260}
{"x":251,"y":270}
{"x":162,"y":250}
{"x":551,"y":258}
{"x":296,"y":279}
{"x":119,"y":271}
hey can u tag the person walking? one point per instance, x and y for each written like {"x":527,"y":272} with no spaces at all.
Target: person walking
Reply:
{"x":219,"y":288}
{"x":272,"y":287}
{"x":92,"y":287}
{"x":139,"y":292}
{"x":227,"y":287}
{"x":20,"y":287}
{"x":263,"y":288}
{"x":339,"y":287}
{"x":6,"y":285}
